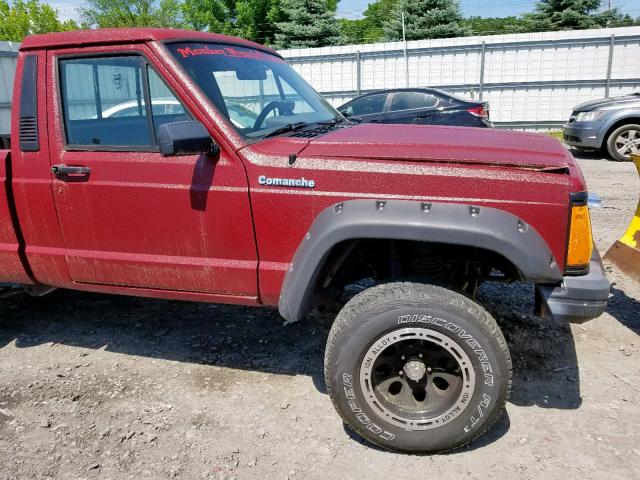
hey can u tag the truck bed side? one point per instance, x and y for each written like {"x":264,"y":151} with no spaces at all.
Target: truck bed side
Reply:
{"x":11,"y":267}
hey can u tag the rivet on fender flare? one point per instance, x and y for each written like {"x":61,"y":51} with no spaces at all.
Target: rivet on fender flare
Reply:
{"x":474,"y":211}
{"x":426,"y":207}
{"x":380,"y":205}
{"x":522,"y":227}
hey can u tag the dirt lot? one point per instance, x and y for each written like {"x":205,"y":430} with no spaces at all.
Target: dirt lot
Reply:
{"x":95,"y":386}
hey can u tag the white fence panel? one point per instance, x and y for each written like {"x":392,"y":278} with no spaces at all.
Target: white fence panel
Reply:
{"x":531,"y":80}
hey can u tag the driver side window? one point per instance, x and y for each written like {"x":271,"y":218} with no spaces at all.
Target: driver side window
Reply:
{"x":104,"y":103}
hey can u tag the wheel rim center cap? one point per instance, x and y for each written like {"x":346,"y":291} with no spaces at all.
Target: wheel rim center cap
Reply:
{"x":415,"y":370}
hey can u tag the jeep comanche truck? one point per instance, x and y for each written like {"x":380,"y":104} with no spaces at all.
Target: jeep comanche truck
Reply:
{"x":194,"y":166}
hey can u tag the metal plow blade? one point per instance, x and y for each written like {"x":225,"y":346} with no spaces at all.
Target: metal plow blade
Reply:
{"x":625,"y":253}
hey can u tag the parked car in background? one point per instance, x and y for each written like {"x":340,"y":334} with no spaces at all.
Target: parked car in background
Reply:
{"x":611,"y":124}
{"x":238,"y":114}
{"x":422,"y":106}
{"x":133,"y":108}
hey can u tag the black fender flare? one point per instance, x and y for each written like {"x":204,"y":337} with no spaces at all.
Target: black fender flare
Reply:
{"x":450,"y":223}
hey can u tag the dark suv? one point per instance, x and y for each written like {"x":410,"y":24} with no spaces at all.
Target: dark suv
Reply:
{"x":422,"y":106}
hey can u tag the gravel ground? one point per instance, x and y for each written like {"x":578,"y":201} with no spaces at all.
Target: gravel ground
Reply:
{"x":96,"y":386}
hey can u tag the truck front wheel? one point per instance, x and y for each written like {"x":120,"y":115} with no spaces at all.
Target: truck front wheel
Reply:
{"x":417,"y":368}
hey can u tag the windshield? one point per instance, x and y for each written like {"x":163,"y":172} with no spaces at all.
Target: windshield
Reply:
{"x":258,"y":92}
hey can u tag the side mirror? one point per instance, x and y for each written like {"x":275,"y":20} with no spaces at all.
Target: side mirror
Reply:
{"x":185,"y":138}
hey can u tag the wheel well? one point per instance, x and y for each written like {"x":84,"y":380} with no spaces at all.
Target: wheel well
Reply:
{"x":618,"y":124}
{"x":353,"y":264}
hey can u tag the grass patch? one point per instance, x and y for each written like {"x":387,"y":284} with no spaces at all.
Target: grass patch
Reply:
{"x":555,"y":134}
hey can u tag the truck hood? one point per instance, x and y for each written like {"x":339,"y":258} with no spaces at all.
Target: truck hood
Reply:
{"x":442,"y":145}
{"x":608,"y":102}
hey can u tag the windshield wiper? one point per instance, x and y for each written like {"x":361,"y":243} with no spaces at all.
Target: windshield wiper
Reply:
{"x":289,"y":127}
{"x":337,"y":120}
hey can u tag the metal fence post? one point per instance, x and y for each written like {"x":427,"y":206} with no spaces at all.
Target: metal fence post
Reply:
{"x":406,"y":66}
{"x":358,"y":73}
{"x":483,"y":51}
{"x":612,"y":46}
{"x":406,"y":55}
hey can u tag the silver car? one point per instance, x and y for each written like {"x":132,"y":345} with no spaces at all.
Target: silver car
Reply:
{"x":611,"y":124}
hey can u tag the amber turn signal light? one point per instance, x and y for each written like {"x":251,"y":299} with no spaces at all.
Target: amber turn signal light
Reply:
{"x":580,"y":245}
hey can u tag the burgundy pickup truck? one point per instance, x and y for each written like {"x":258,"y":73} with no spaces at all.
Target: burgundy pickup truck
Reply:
{"x":194,"y":166}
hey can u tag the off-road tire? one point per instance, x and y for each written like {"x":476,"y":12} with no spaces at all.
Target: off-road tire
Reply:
{"x":388,"y":312}
{"x":611,"y":142}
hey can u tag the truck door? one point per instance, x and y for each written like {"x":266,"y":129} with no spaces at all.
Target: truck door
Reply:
{"x":130,"y":217}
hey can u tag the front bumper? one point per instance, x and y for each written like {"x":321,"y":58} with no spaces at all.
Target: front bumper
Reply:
{"x":576,"y":299}
{"x":582,"y":134}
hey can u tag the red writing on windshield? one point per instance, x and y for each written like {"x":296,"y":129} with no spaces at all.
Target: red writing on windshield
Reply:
{"x":227,"y":52}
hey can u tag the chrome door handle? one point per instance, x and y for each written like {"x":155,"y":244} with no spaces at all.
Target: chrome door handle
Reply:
{"x":70,"y":171}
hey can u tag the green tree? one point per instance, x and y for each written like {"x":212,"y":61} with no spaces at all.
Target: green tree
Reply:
{"x":368,"y":29}
{"x":23,"y":18}
{"x":425,"y":19}
{"x":549,"y":15}
{"x":497,"y":26}
{"x":574,"y":15}
{"x":251,"y":19}
{"x":615,"y":18}
{"x":354,"y":31}
{"x":256,"y":20}
{"x":211,"y":15}
{"x":132,"y":13}
{"x":306,"y":23}
{"x":379,"y":11}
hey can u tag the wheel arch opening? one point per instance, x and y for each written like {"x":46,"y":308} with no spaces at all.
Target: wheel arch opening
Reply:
{"x":355,"y":264}
{"x":618,"y":124}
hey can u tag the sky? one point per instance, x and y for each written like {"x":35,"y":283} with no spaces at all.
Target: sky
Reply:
{"x":354,"y":8}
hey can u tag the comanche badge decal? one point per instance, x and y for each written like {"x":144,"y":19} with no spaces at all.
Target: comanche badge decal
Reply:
{"x":286,"y":182}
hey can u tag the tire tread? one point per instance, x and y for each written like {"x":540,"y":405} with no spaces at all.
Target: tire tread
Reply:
{"x":392,"y":292}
